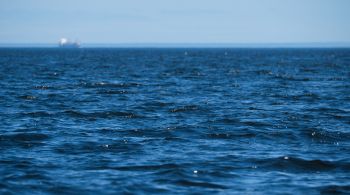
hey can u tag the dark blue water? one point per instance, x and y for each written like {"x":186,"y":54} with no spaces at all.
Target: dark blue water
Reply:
{"x":252,"y":121}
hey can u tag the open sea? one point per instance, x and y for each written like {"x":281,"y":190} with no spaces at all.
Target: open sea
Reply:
{"x":174,"y":121}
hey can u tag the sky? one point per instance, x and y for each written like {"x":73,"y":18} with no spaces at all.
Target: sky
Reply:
{"x":175,"y":21}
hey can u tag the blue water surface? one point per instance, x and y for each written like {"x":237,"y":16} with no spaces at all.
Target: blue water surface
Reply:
{"x":174,"y":121}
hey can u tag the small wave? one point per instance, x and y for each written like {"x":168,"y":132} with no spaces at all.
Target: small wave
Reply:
{"x":28,"y":97}
{"x":255,"y":123}
{"x":230,"y":135}
{"x":327,"y":110}
{"x":157,"y":104}
{"x":219,"y":135}
{"x":102,"y":114}
{"x":311,"y":70}
{"x":23,"y":139}
{"x":284,"y":76}
{"x":229,"y":121}
{"x":109,"y":85}
{"x":114,"y":92}
{"x":185,"y":108}
{"x":305,"y":96}
{"x":341,"y":117}
{"x":334,"y":189}
{"x":325,"y":136}
{"x":43,"y":87}
{"x":188,"y":183}
{"x":288,"y":77}
{"x":37,"y":114}
{"x":294,"y":164}
{"x":157,"y":133}
{"x":146,"y":167}
{"x":96,"y":148}
{"x":264,"y":72}
{"x":337,"y":79}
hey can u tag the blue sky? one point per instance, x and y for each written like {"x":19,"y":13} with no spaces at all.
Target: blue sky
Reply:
{"x":175,"y":21}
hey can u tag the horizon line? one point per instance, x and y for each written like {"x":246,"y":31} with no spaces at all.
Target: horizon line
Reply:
{"x":188,"y":45}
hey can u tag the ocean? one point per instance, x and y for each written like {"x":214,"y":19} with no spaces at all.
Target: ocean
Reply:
{"x":174,"y":121}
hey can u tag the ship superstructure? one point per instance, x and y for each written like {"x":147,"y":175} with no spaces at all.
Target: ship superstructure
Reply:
{"x":66,"y":43}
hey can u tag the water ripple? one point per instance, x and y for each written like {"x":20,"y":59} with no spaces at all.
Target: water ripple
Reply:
{"x":174,"y":121}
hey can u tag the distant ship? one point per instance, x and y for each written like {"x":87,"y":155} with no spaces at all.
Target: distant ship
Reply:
{"x":66,"y":43}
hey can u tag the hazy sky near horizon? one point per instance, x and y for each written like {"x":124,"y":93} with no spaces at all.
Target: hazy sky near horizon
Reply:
{"x":175,"y":21}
